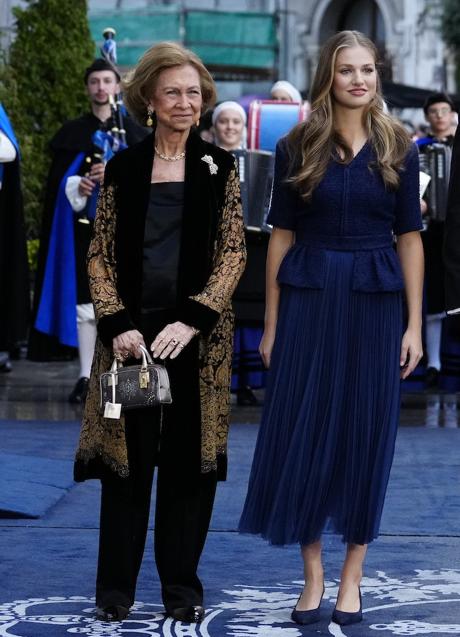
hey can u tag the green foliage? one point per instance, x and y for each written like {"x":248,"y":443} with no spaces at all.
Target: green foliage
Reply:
{"x":451,"y":29}
{"x":42,"y":86}
{"x":32,"y":253}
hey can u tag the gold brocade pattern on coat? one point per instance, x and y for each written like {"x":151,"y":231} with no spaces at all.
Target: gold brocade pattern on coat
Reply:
{"x":106,"y":437}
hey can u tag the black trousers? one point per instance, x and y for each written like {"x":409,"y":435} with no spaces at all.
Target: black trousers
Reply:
{"x":183,"y":513}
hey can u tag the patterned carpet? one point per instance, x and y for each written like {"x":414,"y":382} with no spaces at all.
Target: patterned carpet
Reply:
{"x":412,"y":575}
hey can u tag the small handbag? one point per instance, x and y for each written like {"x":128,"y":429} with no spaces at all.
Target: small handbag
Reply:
{"x":134,"y":386}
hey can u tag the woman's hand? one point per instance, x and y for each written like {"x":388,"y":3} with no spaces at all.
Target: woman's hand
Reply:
{"x":411,"y":351}
{"x":127,"y":344}
{"x":172,"y":339}
{"x":266,"y":346}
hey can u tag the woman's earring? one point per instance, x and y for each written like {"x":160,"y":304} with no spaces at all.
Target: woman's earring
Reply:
{"x":149,"y":116}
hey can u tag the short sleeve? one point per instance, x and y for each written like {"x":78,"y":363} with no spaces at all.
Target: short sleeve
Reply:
{"x":282,"y":203}
{"x":408,"y":216}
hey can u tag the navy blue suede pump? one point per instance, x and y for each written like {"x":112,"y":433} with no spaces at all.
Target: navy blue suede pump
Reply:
{"x":305,"y":617}
{"x":343,"y":618}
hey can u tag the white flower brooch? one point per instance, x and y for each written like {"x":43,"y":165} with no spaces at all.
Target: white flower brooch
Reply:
{"x":212,"y":166}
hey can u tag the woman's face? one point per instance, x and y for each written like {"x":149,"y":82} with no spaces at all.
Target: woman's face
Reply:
{"x":355,"y":77}
{"x":281,"y":96}
{"x":229,"y":127}
{"x":177,"y":98}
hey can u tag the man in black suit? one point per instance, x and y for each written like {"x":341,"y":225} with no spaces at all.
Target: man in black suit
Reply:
{"x":452,"y":234}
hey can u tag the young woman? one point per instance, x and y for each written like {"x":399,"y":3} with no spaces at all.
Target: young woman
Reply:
{"x":229,"y":124}
{"x":346,"y":183}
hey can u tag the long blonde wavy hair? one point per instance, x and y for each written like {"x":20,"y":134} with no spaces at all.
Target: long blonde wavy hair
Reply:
{"x":313,"y":143}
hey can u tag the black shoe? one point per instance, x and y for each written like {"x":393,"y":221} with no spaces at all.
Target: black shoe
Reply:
{"x":343,"y":618}
{"x":305,"y":617}
{"x":188,"y":614}
{"x":245,"y":397}
{"x":78,"y":394}
{"x":112,"y":613}
{"x":432,"y":377}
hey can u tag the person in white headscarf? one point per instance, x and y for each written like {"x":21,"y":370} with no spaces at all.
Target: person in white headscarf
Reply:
{"x":229,"y":123}
{"x":284,"y":91}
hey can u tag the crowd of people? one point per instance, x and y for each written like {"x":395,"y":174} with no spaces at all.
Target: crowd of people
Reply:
{"x":143,"y":245}
{"x":224,"y":125}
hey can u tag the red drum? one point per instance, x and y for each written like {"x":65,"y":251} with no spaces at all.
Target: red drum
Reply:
{"x":269,"y":121}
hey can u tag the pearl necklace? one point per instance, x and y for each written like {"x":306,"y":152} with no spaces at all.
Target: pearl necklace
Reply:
{"x":168,"y":157}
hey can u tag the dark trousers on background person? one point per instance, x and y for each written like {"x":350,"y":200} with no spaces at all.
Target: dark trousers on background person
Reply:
{"x":183,"y":513}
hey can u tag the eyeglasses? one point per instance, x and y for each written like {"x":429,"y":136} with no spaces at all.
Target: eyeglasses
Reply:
{"x":445,"y":110}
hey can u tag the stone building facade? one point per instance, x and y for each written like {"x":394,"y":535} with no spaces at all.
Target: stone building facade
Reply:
{"x":406,"y":31}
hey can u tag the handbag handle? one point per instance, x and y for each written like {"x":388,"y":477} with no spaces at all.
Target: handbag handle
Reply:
{"x":146,"y":360}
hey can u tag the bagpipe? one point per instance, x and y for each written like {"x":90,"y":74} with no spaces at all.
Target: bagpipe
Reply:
{"x":106,"y":143}
{"x":118,"y":132}
{"x":435,"y":160}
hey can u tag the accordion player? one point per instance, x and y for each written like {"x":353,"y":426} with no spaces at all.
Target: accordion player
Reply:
{"x":435,"y":160}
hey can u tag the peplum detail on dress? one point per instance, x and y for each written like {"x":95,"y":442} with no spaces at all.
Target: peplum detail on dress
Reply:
{"x":303,"y":267}
{"x":376,"y":266}
{"x":377,"y":271}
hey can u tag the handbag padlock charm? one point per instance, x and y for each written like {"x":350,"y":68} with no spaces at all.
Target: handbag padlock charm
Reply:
{"x":144,"y":378}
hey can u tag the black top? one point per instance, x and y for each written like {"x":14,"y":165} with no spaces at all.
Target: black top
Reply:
{"x":162,"y":239}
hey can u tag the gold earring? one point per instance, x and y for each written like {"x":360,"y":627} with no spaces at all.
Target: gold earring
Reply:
{"x":149,"y":116}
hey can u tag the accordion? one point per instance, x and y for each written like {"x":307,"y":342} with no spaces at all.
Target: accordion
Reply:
{"x":255,"y":169}
{"x":435,"y":161}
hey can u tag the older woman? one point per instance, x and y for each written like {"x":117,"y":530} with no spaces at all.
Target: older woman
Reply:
{"x":229,"y":123}
{"x":167,"y":253}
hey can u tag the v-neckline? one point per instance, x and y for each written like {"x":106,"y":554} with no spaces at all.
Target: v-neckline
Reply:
{"x":359,"y":151}
{"x":339,"y":160}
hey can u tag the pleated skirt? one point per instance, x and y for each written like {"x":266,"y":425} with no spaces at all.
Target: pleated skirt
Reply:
{"x":327,"y":436}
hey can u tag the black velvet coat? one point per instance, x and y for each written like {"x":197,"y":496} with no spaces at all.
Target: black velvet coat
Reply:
{"x":452,"y":232}
{"x":211,"y":261}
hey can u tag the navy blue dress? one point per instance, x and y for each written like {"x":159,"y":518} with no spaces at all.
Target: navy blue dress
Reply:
{"x":326,"y":441}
